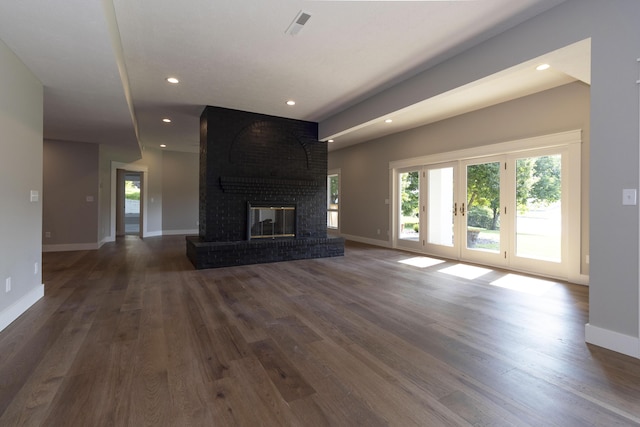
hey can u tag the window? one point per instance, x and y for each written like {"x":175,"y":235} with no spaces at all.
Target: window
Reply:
{"x":333,"y":199}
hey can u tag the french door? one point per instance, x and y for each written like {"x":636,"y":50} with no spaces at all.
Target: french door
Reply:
{"x":540,"y":220}
{"x":440,"y":209}
{"x":482,"y":204}
{"x":508,"y":210}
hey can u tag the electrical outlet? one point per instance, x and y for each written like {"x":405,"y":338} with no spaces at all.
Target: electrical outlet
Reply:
{"x":7,"y":285}
{"x":47,"y":234}
{"x":35,"y":267}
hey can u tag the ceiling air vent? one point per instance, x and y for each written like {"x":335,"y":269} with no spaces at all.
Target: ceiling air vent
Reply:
{"x":297,"y":24}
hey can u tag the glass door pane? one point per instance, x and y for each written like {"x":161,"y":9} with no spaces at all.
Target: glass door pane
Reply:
{"x":539,"y":208}
{"x":440,"y":210}
{"x":483,"y":207}
{"x":132,"y":211}
{"x":440,"y":206}
{"x":409,"y":206}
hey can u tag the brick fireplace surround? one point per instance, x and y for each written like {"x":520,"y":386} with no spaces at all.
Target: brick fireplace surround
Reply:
{"x":248,"y":158}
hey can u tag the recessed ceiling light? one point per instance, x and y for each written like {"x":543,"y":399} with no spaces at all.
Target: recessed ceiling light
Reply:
{"x":166,"y":120}
{"x":388,"y":121}
{"x":163,"y":145}
{"x":330,"y":140}
{"x":543,"y":67}
{"x":291,"y":102}
{"x":173,"y":80}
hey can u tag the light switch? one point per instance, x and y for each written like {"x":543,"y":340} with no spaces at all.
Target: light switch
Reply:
{"x":630,"y":196}
{"x":35,"y":196}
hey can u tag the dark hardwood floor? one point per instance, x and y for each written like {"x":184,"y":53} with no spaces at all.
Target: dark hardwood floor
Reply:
{"x":132,"y":335}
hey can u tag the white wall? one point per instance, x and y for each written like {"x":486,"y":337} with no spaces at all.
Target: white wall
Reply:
{"x":21,"y":106}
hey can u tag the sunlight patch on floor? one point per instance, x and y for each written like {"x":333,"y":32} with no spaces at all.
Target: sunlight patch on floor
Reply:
{"x":421,"y":261}
{"x":469,"y":272}
{"x":524,"y":284}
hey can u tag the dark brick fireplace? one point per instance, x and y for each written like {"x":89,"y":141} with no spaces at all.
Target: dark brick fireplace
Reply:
{"x":254,"y":160}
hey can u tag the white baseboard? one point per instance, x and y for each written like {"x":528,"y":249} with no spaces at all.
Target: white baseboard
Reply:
{"x":152,"y":234}
{"x":107,"y":239}
{"x":583,"y":279}
{"x":578,"y":279}
{"x":375,"y":242}
{"x":17,"y":308}
{"x":71,"y":247}
{"x":110,"y":239}
{"x":178,"y":232}
{"x":611,"y":340}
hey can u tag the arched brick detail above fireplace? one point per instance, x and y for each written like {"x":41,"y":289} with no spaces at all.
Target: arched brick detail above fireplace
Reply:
{"x":270,"y":150}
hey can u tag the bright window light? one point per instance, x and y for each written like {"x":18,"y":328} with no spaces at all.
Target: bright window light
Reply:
{"x":528,"y":285}
{"x":469,"y":272}
{"x":421,"y":261}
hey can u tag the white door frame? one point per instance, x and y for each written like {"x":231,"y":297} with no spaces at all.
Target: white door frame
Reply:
{"x":132,"y":167}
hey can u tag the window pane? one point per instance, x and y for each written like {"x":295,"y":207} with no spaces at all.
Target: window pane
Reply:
{"x":539,"y":209}
{"x":483,"y":207}
{"x":333,"y":192}
{"x":440,"y":215}
{"x":333,"y":200}
{"x":409,"y":209}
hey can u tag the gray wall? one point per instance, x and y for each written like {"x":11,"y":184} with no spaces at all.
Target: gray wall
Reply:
{"x":21,"y":101}
{"x":180,"y":197}
{"x":614,"y":165}
{"x":172,"y":189}
{"x":74,"y":170}
{"x":365,"y":167}
{"x":152,"y":158}
{"x":70,"y":176}
{"x":106,"y":156}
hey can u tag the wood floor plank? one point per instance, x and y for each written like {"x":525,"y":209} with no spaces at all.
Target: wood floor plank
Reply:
{"x":283,"y":375}
{"x":31,"y":404}
{"x":189,"y":391}
{"x":398,"y":406}
{"x":131,"y":334}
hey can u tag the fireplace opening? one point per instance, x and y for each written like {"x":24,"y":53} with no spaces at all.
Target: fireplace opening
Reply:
{"x":270,"y":222}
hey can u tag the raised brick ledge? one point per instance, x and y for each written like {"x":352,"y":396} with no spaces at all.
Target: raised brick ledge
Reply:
{"x":204,"y":254}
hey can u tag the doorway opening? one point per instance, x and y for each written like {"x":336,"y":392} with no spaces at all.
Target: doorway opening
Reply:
{"x":129,"y":207}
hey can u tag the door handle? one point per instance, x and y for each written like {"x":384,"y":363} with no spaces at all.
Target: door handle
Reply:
{"x":462,"y":209}
{"x":455,"y":209}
